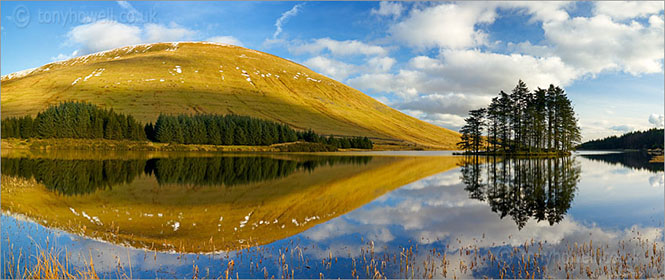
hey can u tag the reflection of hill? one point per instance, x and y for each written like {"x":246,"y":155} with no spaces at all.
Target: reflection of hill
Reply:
{"x":636,"y":160}
{"x":145,"y":214}
{"x":80,"y":176}
{"x":524,"y":188}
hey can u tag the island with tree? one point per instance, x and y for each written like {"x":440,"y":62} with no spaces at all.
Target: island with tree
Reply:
{"x":540,"y":122}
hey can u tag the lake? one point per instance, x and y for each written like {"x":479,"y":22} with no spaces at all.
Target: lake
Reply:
{"x":365,"y":215}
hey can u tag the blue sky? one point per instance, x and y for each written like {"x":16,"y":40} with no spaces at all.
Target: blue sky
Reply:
{"x":434,"y":61}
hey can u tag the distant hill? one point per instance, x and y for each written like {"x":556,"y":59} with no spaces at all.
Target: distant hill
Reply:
{"x":650,"y":139}
{"x":146,"y":80}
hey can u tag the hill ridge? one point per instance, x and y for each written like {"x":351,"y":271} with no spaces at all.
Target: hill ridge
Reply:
{"x":204,"y":77}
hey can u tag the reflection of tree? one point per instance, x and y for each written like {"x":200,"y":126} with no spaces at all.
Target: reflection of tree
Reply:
{"x":636,"y":160}
{"x":71,"y":177}
{"x":74,"y":176}
{"x":524,"y":188}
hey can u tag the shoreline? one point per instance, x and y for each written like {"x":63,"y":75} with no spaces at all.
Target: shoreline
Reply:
{"x":61,"y":144}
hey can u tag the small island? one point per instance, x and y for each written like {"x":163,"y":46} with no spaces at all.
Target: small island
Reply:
{"x":538,"y":123}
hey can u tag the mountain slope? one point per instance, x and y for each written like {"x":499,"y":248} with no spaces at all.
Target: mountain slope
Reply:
{"x":145,"y":80}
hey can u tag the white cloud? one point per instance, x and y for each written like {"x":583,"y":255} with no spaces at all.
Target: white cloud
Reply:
{"x":459,"y":80}
{"x":468,"y":71}
{"x":404,"y":84}
{"x":450,"y":121}
{"x":386,"y":8}
{"x":445,"y":25}
{"x":544,"y":11}
{"x":381,"y":64}
{"x":451,"y":103}
{"x":159,"y":33}
{"x":627,"y":9}
{"x":330,"y":67}
{"x":225,"y":40}
{"x":598,"y":44}
{"x":656,"y":120}
{"x":104,"y":35}
{"x":108,"y":34}
{"x":63,"y":56}
{"x":282,"y":19}
{"x":338,"y":48}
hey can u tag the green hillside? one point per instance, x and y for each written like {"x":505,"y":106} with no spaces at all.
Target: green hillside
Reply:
{"x":146,"y":80}
{"x":639,"y":140}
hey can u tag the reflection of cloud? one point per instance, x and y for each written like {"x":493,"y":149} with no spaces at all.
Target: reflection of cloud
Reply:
{"x":657,"y":181}
{"x":431,"y":211}
{"x":443,"y":179}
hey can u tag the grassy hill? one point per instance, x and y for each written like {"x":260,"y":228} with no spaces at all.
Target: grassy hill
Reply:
{"x":146,"y":80}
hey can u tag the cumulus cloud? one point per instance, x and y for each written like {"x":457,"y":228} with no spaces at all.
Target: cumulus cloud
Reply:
{"x":461,"y":62}
{"x":446,"y":25}
{"x":283,"y":18}
{"x":104,"y":35}
{"x":452,"y":103}
{"x":544,"y":11}
{"x":471,"y":72}
{"x":108,"y":34}
{"x":330,"y":67}
{"x":338,"y":48}
{"x":393,"y":9}
{"x":160,"y":33}
{"x":627,"y":9}
{"x":404,"y":83}
{"x":225,"y":40}
{"x":381,"y":64}
{"x":656,"y":120}
{"x":63,"y":56}
{"x":608,"y":45}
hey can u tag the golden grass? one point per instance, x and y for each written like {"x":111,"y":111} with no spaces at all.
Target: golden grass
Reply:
{"x":46,"y":264}
{"x":210,"y":83}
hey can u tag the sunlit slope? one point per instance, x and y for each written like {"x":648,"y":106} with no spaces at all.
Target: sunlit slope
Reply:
{"x":146,"y":80}
{"x":143,"y":214}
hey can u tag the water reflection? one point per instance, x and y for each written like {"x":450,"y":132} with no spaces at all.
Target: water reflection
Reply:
{"x":523,"y":188}
{"x":159,"y":204}
{"x":369,"y":214}
{"x":635,"y":160}
{"x":82,"y":176}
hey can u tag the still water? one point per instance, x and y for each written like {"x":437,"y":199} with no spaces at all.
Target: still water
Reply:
{"x":146,"y":215}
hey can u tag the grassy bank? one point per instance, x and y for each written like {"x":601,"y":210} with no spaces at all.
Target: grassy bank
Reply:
{"x":129,"y":145}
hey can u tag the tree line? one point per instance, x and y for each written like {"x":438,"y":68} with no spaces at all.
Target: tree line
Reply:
{"x":238,"y":130}
{"x":87,"y":121}
{"x":523,"y":122}
{"x":72,"y":177}
{"x":639,"y":160}
{"x":639,"y":140}
{"x":74,"y":120}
